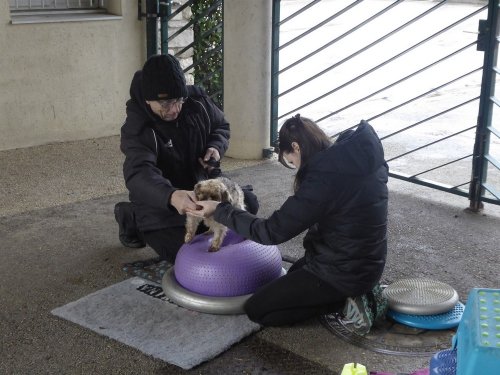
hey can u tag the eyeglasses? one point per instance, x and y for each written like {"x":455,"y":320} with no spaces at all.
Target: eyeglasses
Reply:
{"x":169,"y":103}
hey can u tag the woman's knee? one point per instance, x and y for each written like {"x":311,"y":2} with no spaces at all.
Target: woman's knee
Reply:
{"x":253,"y":310}
{"x":263,"y":314}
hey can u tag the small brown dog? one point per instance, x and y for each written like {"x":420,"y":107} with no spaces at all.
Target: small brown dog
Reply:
{"x":219,"y":189}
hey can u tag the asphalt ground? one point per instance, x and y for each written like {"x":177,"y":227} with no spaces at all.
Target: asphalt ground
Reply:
{"x":59,"y":243}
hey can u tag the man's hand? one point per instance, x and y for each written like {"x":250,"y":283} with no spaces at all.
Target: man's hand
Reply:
{"x":203,"y":209}
{"x":183,"y":200}
{"x":212,"y":153}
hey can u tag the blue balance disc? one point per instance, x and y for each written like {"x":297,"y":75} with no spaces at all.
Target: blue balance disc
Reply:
{"x":445,"y":320}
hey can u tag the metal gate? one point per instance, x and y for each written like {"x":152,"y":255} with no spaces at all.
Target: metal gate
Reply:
{"x":205,"y":47}
{"x":420,"y":72}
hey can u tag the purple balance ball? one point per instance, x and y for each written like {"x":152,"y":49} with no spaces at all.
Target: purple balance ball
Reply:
{"x":240,"y":266}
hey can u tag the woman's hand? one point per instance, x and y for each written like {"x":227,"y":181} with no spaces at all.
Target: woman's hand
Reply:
{"x":203,"y":208}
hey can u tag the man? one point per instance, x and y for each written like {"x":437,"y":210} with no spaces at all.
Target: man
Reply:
{"x":174,"y":136}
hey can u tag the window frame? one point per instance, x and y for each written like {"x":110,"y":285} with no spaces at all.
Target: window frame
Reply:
{"x":27,"y":12}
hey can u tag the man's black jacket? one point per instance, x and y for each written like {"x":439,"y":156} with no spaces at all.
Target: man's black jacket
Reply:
{"x":342,"y":200}
{"x":161,"y":157}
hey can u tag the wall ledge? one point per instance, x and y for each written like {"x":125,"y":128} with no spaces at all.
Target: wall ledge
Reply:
{"x":18,"y":18}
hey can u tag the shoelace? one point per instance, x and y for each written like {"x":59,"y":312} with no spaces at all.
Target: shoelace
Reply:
{"x":355,"y":316}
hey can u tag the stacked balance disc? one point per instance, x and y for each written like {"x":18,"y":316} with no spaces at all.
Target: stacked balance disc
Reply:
{"x":424,"y":303}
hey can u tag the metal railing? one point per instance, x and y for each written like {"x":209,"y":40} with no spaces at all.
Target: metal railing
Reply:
{"x":327,"y":104}
{"x":482,"y":159}
{"x":207,"y":58}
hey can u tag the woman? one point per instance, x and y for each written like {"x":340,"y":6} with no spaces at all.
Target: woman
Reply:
{"x":340,"y":195}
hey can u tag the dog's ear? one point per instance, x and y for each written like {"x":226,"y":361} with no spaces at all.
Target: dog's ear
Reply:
{"x":196,"y":191}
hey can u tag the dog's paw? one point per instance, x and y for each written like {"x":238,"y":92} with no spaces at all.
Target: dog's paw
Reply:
{"x":213,"y":249}
{"x":188,"y":237}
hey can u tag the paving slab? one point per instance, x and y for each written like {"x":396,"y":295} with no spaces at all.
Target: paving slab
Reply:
{"x":65,"y":247}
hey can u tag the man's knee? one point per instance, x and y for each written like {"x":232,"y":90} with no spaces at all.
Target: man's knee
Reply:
{"x":166,"y":242}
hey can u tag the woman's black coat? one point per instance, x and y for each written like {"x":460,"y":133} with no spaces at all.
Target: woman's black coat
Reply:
{"x":161,"y":157}
{"x":342,"y":200}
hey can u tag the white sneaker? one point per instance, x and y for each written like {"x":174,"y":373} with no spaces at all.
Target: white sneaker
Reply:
{"x":357,"y":313}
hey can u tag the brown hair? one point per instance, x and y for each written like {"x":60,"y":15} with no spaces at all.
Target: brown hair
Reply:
{"x":310,"y":138}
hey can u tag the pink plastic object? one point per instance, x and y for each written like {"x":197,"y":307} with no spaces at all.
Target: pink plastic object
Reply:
{"x":418,"y":372}
{"x":240,"y":266}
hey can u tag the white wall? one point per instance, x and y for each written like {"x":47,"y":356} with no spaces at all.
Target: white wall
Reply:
{"x":70,"y":81}
{"x":66,"y":81}
{"x":247,"y":75}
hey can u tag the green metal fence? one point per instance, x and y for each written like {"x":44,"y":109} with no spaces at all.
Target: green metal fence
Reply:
{"x":165,"y":33}
{"x":419,"y":72}
{"x":431,"y":98}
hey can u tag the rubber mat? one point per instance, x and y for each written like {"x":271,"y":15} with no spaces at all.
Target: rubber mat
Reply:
{"x":136,"y":313}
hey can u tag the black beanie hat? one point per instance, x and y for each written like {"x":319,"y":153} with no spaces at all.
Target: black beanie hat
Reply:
{"x":163,"y":78}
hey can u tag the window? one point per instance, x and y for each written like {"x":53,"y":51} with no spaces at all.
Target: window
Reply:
{"x":40,"y":11}
{"x":16,"y":5}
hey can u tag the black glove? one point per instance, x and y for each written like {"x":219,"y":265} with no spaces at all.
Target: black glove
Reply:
{"x":215,"y":171}
{"x":213,"y":163}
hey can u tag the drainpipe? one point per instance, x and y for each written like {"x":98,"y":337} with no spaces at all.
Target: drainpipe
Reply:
{"x":152,"y":13}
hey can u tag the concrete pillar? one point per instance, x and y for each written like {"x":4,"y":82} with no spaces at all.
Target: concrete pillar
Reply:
{"x":247,"y":75}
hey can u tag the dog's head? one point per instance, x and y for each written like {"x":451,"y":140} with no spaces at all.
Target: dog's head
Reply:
{"x":214,"y":190}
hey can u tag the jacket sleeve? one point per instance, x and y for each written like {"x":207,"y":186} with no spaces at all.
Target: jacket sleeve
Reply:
{"x":219,"y":129}
{"x":143,"y":178}
{"x":298,"y":213}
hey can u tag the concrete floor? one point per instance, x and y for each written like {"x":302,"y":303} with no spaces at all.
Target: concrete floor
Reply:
{"x":59,"y":243}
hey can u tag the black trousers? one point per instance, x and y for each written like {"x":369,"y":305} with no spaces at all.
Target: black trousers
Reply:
{"x":167,"y":242}
{"x":294,"y":297}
